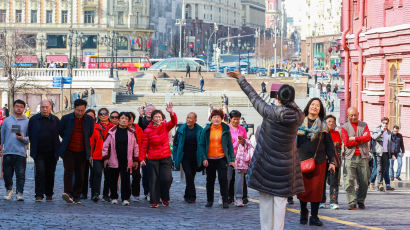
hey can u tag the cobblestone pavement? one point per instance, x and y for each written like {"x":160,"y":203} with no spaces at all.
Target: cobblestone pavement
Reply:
{"x":384,"y":210}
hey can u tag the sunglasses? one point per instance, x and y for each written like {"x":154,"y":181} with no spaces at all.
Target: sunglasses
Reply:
{"x":103,"y":114}
{"x":114,"y":117}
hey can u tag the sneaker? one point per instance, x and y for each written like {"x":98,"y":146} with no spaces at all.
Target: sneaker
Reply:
{"x":39,"y":199}
{"x":165,"y":203}
{"x":154,"y":205}
{"x":147,"y":198}
{"x":220,"y":200}
{"x":372,"y":187}
{"x":19,"y":197}
{"x":333,"y":206}
{"x":114,"y":201}
{"x":106,"y":199}
{"x":125,"y":203}
{"x":392,"y":178}
{"x":381,"y":188}
{"x":67,"y":198}
{"x":322,"y":205}
{"x":361,"y":205}
{"x":95,"y":198}
{"x":398,"y":178}
{"x":136,"y":198}
{"x":239,"y":203}
{"x":389,"y":188}
{"x":77,"y":201}
{"x":8,"y":195}
{"x":245,"y":200}
{"x":49,"y":198}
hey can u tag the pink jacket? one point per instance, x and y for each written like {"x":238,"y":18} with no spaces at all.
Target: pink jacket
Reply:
{"x":240,"y":131}
{"x":244,"y":155}
{"x":109,"y":151}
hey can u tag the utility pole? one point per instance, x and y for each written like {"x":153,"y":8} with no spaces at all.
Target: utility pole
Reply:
{"x":282,"y":32}
{"x":181,"y":22}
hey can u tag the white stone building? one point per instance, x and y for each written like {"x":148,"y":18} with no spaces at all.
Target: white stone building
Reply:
{"x":253,"y":13}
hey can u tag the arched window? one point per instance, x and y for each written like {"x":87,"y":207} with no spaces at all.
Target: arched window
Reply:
{"x":188,"y":11}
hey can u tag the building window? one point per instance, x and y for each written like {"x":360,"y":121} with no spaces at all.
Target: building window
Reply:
{"x":49,"y":16}
{"x":210,"y":17}
{"x":122,"y":43}
{"x":188,"y":11}
{"x":90,"y":42}
{"x":56,"y":41}
{"x":120,"y":18}
{"x":18,"y":16}
{"x":64,"y":16}
{"x":137,"y":18}
{"x":2,"y":16}
{"x":89,"y":17}
{"x":33,"y":16}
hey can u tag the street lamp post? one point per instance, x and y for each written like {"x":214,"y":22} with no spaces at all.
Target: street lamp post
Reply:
{"x":248,"y":48}
{"x":42,"y":40}
{"x":239,"y":51}
{"x":82,"y":41}
{"x":97,"y":41}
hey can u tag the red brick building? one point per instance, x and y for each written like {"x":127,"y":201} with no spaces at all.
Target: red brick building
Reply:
{"x":375,"y":52}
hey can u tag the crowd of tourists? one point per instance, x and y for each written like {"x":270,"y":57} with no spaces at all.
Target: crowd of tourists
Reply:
{"x":296,"y":151}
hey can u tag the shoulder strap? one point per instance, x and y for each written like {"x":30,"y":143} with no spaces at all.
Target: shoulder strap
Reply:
{"x":318,"y":144}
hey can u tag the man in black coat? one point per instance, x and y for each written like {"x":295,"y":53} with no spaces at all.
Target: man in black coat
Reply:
{"x":44,"y":146}
{"x":75,"y":129}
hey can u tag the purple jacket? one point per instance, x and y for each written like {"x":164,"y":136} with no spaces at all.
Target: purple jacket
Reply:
{"x":109,"y":151}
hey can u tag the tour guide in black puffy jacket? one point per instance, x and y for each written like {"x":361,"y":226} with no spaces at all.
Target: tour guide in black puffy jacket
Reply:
{"x":275,"y":167}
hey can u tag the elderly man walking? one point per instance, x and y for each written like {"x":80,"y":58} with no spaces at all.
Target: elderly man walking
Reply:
{"x":356,"y":136}
{"x":44,"y":146}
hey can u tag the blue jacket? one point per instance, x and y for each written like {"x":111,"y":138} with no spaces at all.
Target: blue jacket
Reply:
{"x":34,"y":128}
{"x":179,"y":142}
{"x":66,"y":130}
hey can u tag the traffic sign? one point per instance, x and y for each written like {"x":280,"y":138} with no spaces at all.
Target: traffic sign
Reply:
{"x":56,"y":85}
{"x":68,"y":80}
{"x":57,"y":80}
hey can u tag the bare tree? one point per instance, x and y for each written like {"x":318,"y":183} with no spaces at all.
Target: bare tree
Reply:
{"x":15,"y":48}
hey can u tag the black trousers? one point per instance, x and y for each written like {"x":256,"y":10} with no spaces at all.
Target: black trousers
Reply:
{"x":136,"y":180}
{"x":220,"y":166}
{"x":381,"y":167}
{"x":106,"y":187}
{"x":160,"y":179}
{"x":314,"y":206}
{"x":95,"y":178}
{"x":87,"y":178}
{"x":45,"y":168}
{"x":114,"y":173}
{"x":189,"y":166}
{"x":74,"y":163}
{"x":145,"y":179}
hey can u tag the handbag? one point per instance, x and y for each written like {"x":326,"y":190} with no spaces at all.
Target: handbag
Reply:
{"x":308,"y":165}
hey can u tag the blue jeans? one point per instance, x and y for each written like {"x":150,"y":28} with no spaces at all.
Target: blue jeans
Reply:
{"x":14,"y":164}
{"x":399,"y":162}
{"x":374,"y":172}
{"x":132,"y":88}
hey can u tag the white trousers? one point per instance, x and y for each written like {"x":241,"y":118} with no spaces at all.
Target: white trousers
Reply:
{"x":272,"y":211}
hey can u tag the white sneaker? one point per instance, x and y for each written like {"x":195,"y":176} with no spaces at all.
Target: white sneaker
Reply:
{"x":8,"y":194}
{"x":239,"y":203}
{"x":220,"y":200}
{"x":125,"y":203}
{"x":334,"y":206}
{"x":20,"y":197}
{"x":114,"y":201}
{"x":136,"y":198}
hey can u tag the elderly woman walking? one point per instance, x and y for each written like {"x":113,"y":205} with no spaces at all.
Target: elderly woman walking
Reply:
{"x":314,"y":141}
{"x":217,"y":152}
{"x":275,"y":168}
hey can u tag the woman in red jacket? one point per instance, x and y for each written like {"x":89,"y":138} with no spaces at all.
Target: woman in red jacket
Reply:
{"x":96,"y":142}
{"x":155,"y":147}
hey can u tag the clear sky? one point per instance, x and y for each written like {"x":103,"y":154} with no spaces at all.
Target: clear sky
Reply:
{"x":294,"y":9}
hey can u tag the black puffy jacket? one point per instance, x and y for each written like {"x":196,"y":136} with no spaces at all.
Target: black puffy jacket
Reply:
{"x":275,"y":167}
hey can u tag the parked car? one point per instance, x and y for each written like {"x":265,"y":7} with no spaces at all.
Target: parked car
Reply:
{"x":261,"y":72}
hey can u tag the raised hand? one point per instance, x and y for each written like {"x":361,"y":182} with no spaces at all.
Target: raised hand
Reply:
{"x":235,"y":74}
{"x":141,"y":111}
{"x":169,"y":108}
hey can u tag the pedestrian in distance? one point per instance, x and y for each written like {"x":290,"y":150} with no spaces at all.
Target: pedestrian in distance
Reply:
{"x":333,"y":178}
{"x":199,"y":70}
{"x":314,"y":141}
{"x":217,"y":153}
{"x":156,"y":153}
{"x":356,"y":137}
{"x":397,"y":150}
{"x":175,"y":85}
{"x":181,"y":86}
{"x":44,"y":146}
{"x":381,"y":149}
{"x":75,"y":130}
{"x":186,"y":152}
{"x":14,"y":141}
{"x":154,"y":84}
{"x":201,"y":84}
{"x":132,"y":83}
{"x":120,"y":154}
{"x":275,"y":169}
{"x":136,"y":171}
{"x":6,"y":112}
{"x":188,"y":71}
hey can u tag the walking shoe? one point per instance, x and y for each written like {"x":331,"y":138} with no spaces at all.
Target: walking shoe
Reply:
{"x":136,"y":198}
{"x":322,"y":205}
{"x":95,"y":198}
{"x":208,"y":204}
{"x":77,"y":201}
{"x":220,"y":200}
{"x":106,"y":199}
{"x":361,"y":205}
{"x":154,"y":205}
{"x":165,"y":203}
{"x":389,"y":188}
{"x":114,"y":201}
{"x":398,"y":178}
{"x":381,"y":188}
{"x":19,"y":197}
{"x":147,"y":197}
{"x":303,"y":218}
{"x":392,"y":178}
{"x":67,"y":198}
{"x":49,"y":198}
{"x":314,"y":221}
{"x":290,"y":200}
{"x":239,"y":203}
{"x":333,"y":206}
{"x":245,"y":200}
{"x":352,"y":207}
{"x":8,"y":195}
{"x":39,"y":199}
{"x":372,"y":187}
{"x":125,"y":203}
{"x":225,"y":205}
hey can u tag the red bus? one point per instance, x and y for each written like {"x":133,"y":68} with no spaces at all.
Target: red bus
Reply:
{"x":131,"y":64}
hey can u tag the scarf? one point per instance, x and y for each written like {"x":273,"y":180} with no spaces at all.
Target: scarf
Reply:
{"x":313,"y":132}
